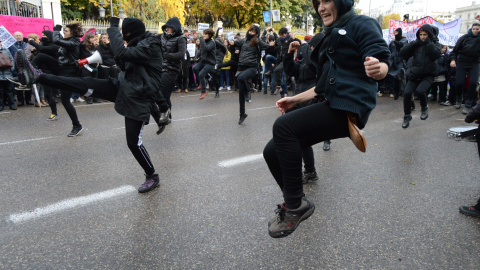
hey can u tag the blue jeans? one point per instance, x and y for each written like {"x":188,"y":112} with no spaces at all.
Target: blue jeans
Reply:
{"x":269,"y":60}
{"x":225,"y":73}
{"x":201,"y":70}
{"x":272,"y":82}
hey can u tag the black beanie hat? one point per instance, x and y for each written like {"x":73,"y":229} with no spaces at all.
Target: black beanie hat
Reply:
{"x":399,"y":34}
{"x":133,"y":26}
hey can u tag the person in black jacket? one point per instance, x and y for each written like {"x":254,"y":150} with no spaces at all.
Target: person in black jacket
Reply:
{"x":396,"y":72}
{"x":185,"y":66}
{"x":108,"y":68}
{"x":135,"y":92}
{"x":207,"y":59}
{"x":174,"y":46}
{"x":220,"y":51}
{"x":268,"y":59}
{"x":465,"y":57}
{"x":440,"y":81}
{"x":47,"y":46}
{"x":425,"y":52}
{"x":349,"y":60}
{"x":250,"y":54}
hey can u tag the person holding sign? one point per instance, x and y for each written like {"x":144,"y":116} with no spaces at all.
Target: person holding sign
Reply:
{"x":207,"y":60}
{"x":349,"y":60}
{"x":465,"y":57}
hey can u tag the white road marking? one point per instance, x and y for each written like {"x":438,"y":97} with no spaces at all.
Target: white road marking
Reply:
{"x":69,"y":204}
{"x":96,"y":104}
{"x":30,"y":140}
{"x":183,"y":119}
{"x":4,"y":112}
{"x":262,"y":108}
{"x":240,"y":160}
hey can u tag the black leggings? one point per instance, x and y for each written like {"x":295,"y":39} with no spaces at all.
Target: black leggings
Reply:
{"x":105,"y":89}
{"x":46,"y":62}
{"x":420,"y":87}
{"x":468,"y":95}
{"x":293,"y":132}
{"x":50,"y":97}
{"x":243,"y":86}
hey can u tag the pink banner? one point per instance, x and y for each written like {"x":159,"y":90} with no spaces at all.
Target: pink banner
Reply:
{"x":408,"y":27}
{"x":26,"y":25}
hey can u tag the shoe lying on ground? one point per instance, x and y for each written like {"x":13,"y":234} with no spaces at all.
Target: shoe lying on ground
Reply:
{"x":243,"y":116}
{"x":287,"y":220}
{"x":151,"y":182}
{"x":309,"y":177}
{"x":469,"y":211}
{"x":75,"y":131}
{"x":27,"y":74}
{"x":53,"y":117}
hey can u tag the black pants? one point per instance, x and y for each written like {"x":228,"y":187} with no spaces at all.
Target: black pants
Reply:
{"x":201,"y":70}
{"x":44,"y":61}
{"x":24,"y":96}
{"x":168,"y":86}
{"x":420,"y":87}
{"x":441,"y":87}
{"x":278,"y":73}
{"x":106,"y":72}
{"x":215,"y":81}
{"x":243,"y":86}
{"x":182,"y":80}
{"x":294,"y":132}
{"x":5,"y":92}
{"x":105,"y":89}
{"x":468,"y":95}
{"x":452,"y":93}
{"x":50,"y":97}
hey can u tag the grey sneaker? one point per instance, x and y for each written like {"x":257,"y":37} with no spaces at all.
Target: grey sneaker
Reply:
{"x":75,"y":131}
{"x":151,"y":182}
{"x":287,"y":220}
{"x":309,"y":177}
{"x":465,"y":110}
{"x":458,"y":105}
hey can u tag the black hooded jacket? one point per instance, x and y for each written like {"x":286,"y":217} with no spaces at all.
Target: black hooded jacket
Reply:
{"x":46,"y":47}
{"x":466,"y":50}
{"x":303,"y":69}
{"x":107,"y":54}
{"x":207,"y":50}
{"x":425,"y":55}
{"x":139,"y":82}
{"x":173,"y":45}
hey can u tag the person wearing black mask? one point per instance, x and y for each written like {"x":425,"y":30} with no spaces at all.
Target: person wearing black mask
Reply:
{"x":250,"y":54}
{"x":135,"y":93}
{"x":207,"y":60}
{"x":396,"y":73}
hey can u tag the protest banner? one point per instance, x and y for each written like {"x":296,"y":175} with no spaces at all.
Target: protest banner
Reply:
{"x":26,"y":25}
{"x":448,"y":32}
{"x":191,"y":49}
{"x":276,"y":15}
{"x":230,"y":36}
{"x":7,"y":39}
{"x":203,"y":26}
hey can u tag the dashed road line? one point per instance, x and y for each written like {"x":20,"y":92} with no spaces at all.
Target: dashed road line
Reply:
{"x":29,"y":140}
{"x":239,"y":160}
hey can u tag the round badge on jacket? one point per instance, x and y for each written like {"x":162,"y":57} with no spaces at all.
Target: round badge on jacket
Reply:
{"x":342,"y":32}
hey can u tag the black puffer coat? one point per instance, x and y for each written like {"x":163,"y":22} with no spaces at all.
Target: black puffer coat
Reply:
{"x":250,"y":55}
{"x":139,"y":82}
{"x":69,"y":50}
{"x":220,"y":51}
{"x":425,"y":55}
{"x":174,"y":46}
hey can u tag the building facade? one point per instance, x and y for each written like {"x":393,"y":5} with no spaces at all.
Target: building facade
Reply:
{"x":467,"y":14}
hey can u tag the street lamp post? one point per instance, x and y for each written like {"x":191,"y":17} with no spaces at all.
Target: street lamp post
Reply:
{"x":121,"y":13}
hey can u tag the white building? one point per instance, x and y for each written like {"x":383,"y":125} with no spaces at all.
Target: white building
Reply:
{"x":467,"y":14}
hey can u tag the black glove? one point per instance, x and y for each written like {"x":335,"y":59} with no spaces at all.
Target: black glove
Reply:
{"x":114,"y":21}
{"x":25,"y":40}
{"x":427,"y":41}
{"x":57,"y":27}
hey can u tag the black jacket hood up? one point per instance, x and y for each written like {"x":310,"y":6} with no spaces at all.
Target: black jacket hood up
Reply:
{"x":175,"y":24}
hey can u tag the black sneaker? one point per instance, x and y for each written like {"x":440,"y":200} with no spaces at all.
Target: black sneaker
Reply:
{"x":406,"y":121}
{"x":27,"y":74}
{"x":151,"y":182}
{"x":217,"y":94}
{"x":242,"y":118}
{"x":164,"y":117}
{"x":326,"y":145}
{"x":469,"y":211}
{"x":75,"y":131}
{"x":287,"y":220}
{"x":309,"y":177}
{"x":424,"y":114}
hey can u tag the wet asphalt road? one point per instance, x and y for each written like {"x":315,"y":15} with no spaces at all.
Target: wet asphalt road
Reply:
{"x":393,"y":207}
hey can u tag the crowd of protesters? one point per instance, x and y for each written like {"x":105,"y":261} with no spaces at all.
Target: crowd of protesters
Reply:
{"x":268,"y":62}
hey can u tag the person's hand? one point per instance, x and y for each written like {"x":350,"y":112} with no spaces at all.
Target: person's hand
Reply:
{"x":114,"y":21}
{"x":427,"y":40}
{"x":453,"y":64}
{"x":269,"y":29}
{"x":373,"y":68}
{"x":273,"y":65}
{"x":57,"y":27}
{"x":477,"y":17}
{"x":285,"y":104}
{"x":293,"y":46}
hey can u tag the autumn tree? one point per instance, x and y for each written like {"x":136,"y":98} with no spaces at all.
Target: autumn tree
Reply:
{"x":386,"y":19}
